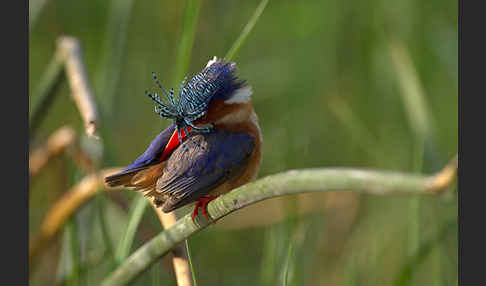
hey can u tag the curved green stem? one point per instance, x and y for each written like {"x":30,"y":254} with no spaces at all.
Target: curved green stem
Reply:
{"x":286,"y":183}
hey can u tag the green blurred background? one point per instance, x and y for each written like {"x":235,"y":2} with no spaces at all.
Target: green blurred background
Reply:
{"x":368,"y":84}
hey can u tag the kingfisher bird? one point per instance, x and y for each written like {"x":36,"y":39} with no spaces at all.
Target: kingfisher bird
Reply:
{"x":212,"y":147}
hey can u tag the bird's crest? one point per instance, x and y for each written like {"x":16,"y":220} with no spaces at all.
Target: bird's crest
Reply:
{"x":216,"y":81}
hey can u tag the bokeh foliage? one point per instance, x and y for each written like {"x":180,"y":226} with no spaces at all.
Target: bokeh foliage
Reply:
{"x":328,"y":93}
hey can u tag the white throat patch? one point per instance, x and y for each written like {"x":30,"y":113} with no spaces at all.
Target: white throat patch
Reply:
{"x":240,"y":95}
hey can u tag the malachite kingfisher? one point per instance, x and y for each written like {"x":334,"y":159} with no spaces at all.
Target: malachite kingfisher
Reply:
{"x":212,"y":147}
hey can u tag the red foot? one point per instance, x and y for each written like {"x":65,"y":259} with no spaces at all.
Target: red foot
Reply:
{"x":202,"y":203}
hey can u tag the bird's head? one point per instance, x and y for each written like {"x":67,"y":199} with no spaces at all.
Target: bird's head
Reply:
{"x":208,"y":98}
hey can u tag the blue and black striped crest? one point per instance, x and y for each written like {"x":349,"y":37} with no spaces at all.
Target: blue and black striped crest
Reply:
{"x":215,"y":81}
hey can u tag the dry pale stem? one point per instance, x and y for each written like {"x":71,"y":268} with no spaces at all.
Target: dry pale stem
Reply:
{"x":180,"y":261}
{"x":55,"y":145}
{"x":70,"y":50}
{"x":62,"y":139}
{"x":65,"y":206}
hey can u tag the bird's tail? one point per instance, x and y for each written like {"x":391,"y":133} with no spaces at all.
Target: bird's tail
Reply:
{"x":122,"y":178}
{"x":142,"y":178}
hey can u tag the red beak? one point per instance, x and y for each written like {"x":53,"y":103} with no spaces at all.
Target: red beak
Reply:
{"x":173,"y":143}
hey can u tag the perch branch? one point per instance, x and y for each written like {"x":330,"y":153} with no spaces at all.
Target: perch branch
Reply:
{"x":287,"y":183}
{"x":180,"y":261}
{"x":70,"y":50}
{"x":63,"y":208}
{"x":441,"y":180}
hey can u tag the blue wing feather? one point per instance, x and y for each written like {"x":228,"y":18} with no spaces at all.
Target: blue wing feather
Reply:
{"x":150,"y":157}
{"x":154,"y":151}
{"x":193,"y":173}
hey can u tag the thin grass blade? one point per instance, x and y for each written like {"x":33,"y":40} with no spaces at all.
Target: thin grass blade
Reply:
{"x":189,"y":258}
{"x":412,"y":95}
{"x":35,"y":8}
{"x":287,"y":264}
{"x":72,"y":232}
{"x":137,"y":210}
{"x":44,"y":94}
{"x":113,"y":51}
{"x":246,"y":31}
{"x":406,"y":274}
{"x":413,"y":98}
{"x":187,"y":40}
{"x":269,"y":257}
{"x":109,"y":249}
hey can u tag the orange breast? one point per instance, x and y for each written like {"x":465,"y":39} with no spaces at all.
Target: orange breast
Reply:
{"x":248,"y":125}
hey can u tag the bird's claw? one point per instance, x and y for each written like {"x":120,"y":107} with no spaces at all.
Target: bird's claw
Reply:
{"x":202,"y":203}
